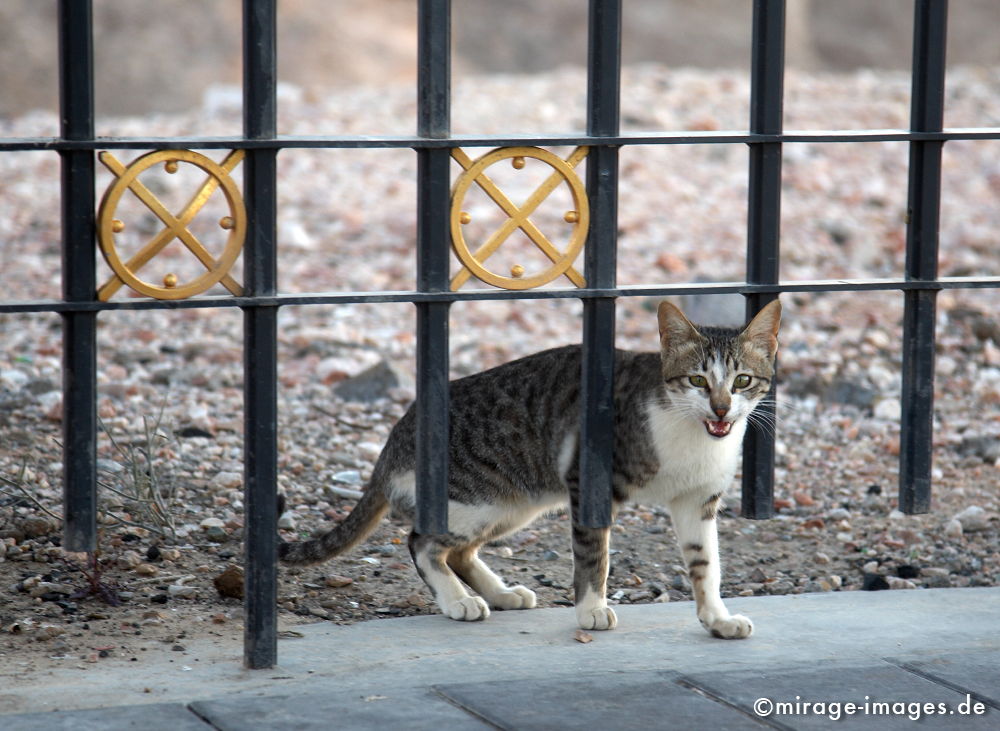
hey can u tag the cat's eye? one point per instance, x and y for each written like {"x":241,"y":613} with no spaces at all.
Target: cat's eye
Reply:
{"x":698,"y":381}
{"x":741,"y":381}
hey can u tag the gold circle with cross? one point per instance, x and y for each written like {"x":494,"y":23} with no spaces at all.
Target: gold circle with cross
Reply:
{"x":518,"y":217}
{"x":175,"y":226}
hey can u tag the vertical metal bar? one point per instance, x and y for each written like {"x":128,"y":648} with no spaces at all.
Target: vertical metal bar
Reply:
{"x":600,"y":265}
{"x":923,"y":215}
{"x":433,"y":235}
{"x":79,"y":429}
{"x":260,"y":337}
{"x":763,"y":229}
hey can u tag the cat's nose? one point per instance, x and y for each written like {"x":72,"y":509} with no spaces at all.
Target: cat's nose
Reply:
{"x":721,"y":411}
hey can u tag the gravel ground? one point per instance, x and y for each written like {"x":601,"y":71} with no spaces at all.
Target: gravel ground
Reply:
{"x":170,"y":383}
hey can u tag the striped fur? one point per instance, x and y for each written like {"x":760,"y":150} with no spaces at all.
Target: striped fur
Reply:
{"x":513,"y":446}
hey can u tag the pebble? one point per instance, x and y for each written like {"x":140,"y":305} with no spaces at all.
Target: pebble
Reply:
{"x":287,"y":520}
{"x":347,"y":477}
{"x":821,"y":558}
{"x":230,"y":582}
{"x":227,"y":479}
{"x":181,"y":591}
{"x":130,"y":559}
{"x":889,"y":409}
{"x":953,"y":529}
{"x":973,"y":519}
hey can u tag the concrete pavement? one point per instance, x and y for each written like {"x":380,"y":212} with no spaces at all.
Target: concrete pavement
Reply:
{"x":894,"y":655}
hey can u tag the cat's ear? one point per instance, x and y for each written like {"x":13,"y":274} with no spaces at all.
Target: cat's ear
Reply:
{"x":674,"y":327}
{"x":762,"y":330}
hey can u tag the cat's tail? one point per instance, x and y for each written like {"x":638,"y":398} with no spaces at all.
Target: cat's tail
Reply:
{"x":361,"y":521}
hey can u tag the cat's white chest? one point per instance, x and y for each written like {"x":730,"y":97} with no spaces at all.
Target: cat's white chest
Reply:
{"x":690,"y":459}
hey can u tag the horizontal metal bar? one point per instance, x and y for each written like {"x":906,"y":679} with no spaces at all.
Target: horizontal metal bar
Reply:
{"x":637,"y":290}
{"x":681,"y":137}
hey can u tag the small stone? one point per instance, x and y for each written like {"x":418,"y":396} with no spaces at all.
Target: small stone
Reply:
{"x":370,"y":560}
{"x":374,"y":383}
{"x":835,"y":581}
{"x":907,"y":571}
{"x":897,"y":583}
{"x":230,"y":583}
{"x":896,"y":514}
{"x":180,"y":591}
{"x":189,"y":432}
{"x":217,"y":535}
{"x":953,"y":529}
{"x":211,"y":523}
{"x":146,"y":569}
{"x":504,"y":552}
{"x":973,"y":519}
{"x":153,"y":553}
{"x":803,"y":498}
{"x":874,"y":582}
{"x":347,"y":477}
{"x":159,"y":598}
{"x":130,"y":559}
{"x":889,"y":409}
{"x":838,"y":514}
{"x":319,"y":612}
{"x":821,"y":558}
{"x":44,"y":588}
{"x":550,"y":556}
{"x":870,"y":568}
{"x":227,"y":480}
{"x":287,"y":521}
{"x":37,"y":526}
{"x":336,"y":581}
{"x":583,"y":637}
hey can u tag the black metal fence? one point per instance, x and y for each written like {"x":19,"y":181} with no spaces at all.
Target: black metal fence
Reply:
{"x":261,"y":297}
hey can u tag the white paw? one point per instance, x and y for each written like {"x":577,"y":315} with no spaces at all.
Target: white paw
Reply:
{"x":598,"y":618}
{"x":732,"y":627}
{"x":516,"y":597}
{"x":468,"y":609}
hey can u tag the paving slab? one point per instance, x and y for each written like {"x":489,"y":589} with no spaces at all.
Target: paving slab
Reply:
{"x":977,"y":673}
{"x":855,"y":697}
{"x":152,"y":717}
{"x":414,"y":709}
{"x":624,"y":701}
{"x":385,"y":657}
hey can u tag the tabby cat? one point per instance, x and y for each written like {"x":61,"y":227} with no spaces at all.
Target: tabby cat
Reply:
{"x":680,"y":416}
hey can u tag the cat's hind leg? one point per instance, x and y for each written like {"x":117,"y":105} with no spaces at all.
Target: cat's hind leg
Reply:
{"x":694,"y":523}
{"x":430,"y":556}
{"x":473,"y":571}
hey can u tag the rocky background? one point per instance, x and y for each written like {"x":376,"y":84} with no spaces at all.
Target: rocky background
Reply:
{"x":171,"y":382}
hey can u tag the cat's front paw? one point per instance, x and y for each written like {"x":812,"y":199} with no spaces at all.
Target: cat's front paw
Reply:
{"x":516,"y":597}
{"x":599,"y":618}
{"x":468,"y":609}
{"x":732,"y":627}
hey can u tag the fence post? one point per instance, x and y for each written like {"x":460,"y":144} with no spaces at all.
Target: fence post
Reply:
{"x":923,"y":214}
{"x":598,"y":366}
{"x":260,"y":338}
{"x":763,"y":231}
{"x":433,"y":259}
{"x":79,"y":278}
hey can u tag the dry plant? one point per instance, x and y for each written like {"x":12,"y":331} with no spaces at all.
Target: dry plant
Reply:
{"x":146,"y":494}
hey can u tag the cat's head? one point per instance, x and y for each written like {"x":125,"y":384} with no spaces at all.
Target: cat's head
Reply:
{"x":717,"y":375}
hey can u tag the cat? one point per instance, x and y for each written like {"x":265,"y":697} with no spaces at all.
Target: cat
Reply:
{"x":680,"y":416}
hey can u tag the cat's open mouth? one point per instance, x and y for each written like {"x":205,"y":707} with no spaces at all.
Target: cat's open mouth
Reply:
{"x":718,"y":429}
